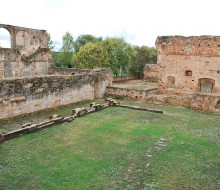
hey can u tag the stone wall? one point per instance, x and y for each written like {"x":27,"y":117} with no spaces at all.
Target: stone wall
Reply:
{"x":66,"y":71}
{"x":151,"y":73}
{"x":190,"y":66}
{"x":206,"y":102}
{"x":28,"y":55}
{"x":26,"y":40}
{"x":185,"y":61}
{"x":115,"y":79}
{"x":24,"y":95}
{"x":13,"y":64}
{"x":130,"y":93}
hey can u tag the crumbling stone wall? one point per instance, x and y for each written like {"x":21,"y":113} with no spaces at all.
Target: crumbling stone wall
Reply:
{"x":24,"y":95}
{"x":205,"y":102}
{"x":151,"y":72}
{"x":130,"y":93}
{"x":189,"y":59}
{"x":26,"y":40}
{"x":190,"y":65}
{"x":28,"y":55}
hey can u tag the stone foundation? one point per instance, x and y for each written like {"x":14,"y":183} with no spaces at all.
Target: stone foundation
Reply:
{"x":115,"y":79}
{"x":130,"y":93}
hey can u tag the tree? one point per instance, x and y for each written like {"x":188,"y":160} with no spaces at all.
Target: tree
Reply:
{"x":66,"y":51}
{"x":50,"y":42}
{"x":152,"y":54}
{"x":120,"y":54}
{"x":85,"y":39}
{"x":139,"y":61}
{"x":91,"y":56}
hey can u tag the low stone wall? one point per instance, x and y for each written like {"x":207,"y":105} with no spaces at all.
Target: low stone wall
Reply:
{"x":67,"y":71}
{"x":130,"y":93}
{"x":24,"y":95}
{"x":170,"y":99}
{"x":57,"y":119}
{"x":115,"y":79}
{"x":206,"y":102}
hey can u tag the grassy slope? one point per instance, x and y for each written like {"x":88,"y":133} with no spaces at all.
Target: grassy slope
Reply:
{"x":96,"y":152}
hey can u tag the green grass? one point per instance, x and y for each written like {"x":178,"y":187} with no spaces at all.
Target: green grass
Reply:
{"x":107,"y":150}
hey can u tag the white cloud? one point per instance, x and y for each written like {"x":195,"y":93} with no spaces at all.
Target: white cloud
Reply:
{"x":139,"y":21}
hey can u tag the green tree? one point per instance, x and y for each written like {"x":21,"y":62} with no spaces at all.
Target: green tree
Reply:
{"x":91,"y":56}
{"x":120,"y":54}
{"x":66,"y":51}
{"x":85,"y":39}
{"x":50,"y":42}
{"x":139,"y":61}
{"x":152,"y":54}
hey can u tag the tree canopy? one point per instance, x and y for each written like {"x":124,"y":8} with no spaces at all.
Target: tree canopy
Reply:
{"x":85,"y":39}
{"x":139,"y":61}
{"x":50,"y":42}
{"x":88,"y":51}
{"x":66,"y":51}
{"x":91,"y":56}
{"x":120,"y":54}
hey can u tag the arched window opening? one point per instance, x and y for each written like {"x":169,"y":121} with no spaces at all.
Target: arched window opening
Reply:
{"x":171,"y":82}
{"x":217,"y":105}
{"x":5,"y":38}
{"x":206,"y":85}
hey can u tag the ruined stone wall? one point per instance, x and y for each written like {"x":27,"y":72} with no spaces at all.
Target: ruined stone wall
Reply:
{"x":191,"y":65}
{"x":130,"y":93}
{"x":206,"y":102}
{"x":116,"y":79}
{"x":26,"y":40}
{"x":67,"y":71}
{"x":24,"y":95}
{"x":151,"y":73}
{"x":184,"y":61}
{"x":12,"y":64}
{"x":28,"y":55}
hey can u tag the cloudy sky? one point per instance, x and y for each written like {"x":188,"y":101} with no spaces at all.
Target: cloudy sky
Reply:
{"x":138,"y":21}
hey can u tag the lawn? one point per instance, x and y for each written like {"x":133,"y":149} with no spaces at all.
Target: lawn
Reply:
{"x":116,"y":148}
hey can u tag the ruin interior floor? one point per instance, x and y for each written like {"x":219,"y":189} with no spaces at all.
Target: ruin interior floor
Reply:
{"x":135,"y":84}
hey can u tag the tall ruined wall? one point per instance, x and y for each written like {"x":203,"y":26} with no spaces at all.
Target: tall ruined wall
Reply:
{"x":191,"y":65}
{"x":184,"y":61}
{"x":25,"y":95}
{"x":13,"y":64}
{"x":28,"y":55}
{"x":26,"y":40}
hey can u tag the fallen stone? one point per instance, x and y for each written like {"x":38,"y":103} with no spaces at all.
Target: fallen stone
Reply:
{"x":162,"y":139}
{"x":26,"y":125}
{"x":149,"y":155}
{"x":54,"y":116}
{"x":162,"y":145}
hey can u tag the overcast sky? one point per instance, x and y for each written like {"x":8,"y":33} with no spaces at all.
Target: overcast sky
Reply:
{"x":138,"y":21}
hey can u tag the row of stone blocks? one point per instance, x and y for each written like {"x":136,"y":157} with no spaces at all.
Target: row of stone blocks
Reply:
{"x":57,"y":119}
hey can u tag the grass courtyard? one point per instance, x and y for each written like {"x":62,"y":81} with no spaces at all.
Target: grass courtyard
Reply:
{"x":116,"y":149}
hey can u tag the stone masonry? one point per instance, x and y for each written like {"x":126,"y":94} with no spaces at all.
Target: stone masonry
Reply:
{"x":29,"y":82}
{"x":28,"y":56}
{"x":191,"y":66}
